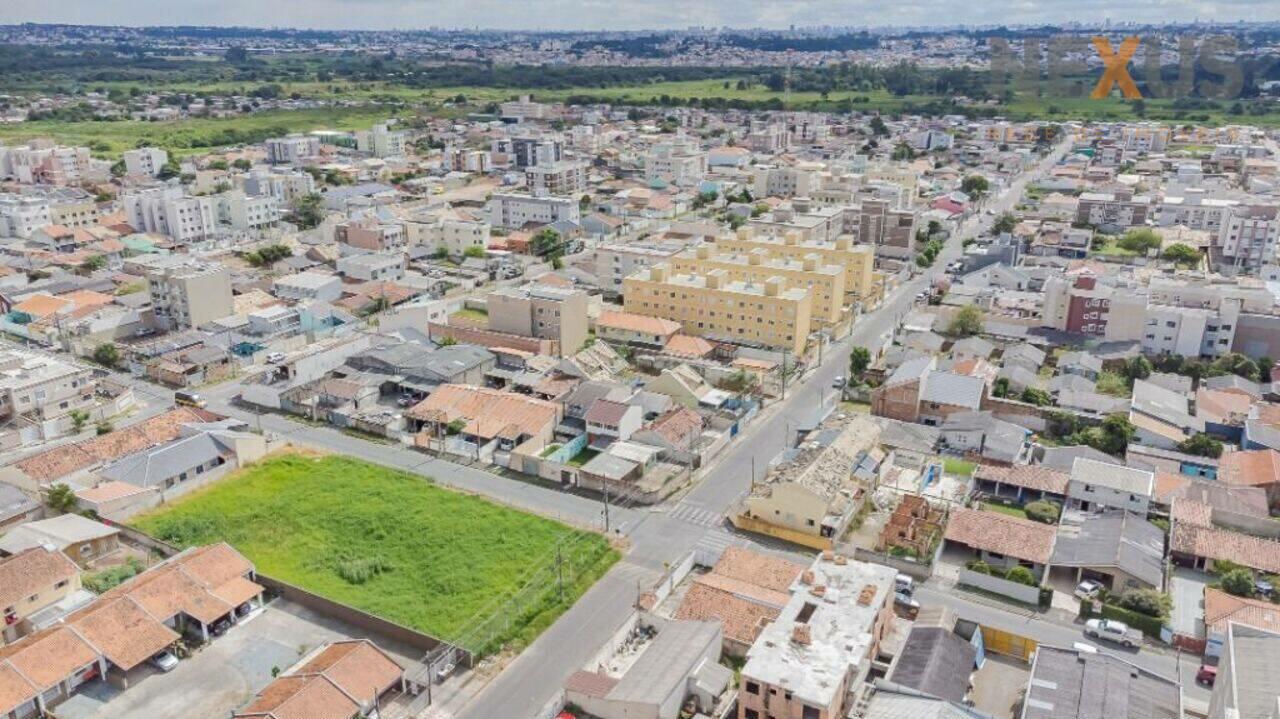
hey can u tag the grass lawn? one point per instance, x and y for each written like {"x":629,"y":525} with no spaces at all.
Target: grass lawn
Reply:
{"x":961,"y":467}
{"x":1011,"y":511}
{"x":1111,"y":248}
{"x":389,"y":543}
{"x":471,"y":315}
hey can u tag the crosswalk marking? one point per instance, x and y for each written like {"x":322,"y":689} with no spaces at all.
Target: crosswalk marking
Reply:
{"x":697,"y":515}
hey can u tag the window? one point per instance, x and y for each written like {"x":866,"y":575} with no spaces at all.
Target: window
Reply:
{"x":60,"y":585}
{"x":753,"y":688}
{"x":811,"y":713}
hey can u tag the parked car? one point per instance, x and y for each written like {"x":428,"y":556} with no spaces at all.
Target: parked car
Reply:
{"x":1263,"y":587}
{"x":1207,"y":675}
{"x":190,"y":399}
{"x":220,"y":627}
{"x":1113,"y":631}
{"x":838,"y":382}
{"x":904,"y":584}
{"x":275,"y":357}
{"x":164,"y":661}
{"x":1088,"y":589}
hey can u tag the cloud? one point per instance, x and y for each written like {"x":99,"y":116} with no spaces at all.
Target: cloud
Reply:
{"x":609,"y":14}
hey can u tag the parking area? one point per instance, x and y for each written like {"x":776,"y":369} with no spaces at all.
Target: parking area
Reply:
{"x":998,"y":686}
{"x":225,"y":673}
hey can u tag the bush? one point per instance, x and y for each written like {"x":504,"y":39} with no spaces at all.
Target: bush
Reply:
{"x":1238,"y":582}
{"x":99,"y":582}
{"x":1021,"y":575}
{"x":1147,"y":601}
{"x":979,"y":566}
{"x":1043,"y":511}
{"x":361,"y":569}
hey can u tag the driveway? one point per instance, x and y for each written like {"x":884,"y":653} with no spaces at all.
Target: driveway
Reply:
{"x":1186,"y":586}
{"x":220,"y":677}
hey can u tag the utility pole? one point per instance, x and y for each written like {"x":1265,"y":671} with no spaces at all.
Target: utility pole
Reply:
{"x":784,"y":372}
{"x":560,"y":574}
{"x":605,"y":484}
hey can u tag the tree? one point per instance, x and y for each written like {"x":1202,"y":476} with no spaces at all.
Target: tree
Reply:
{"x":966,"y":322}
{"x":169,"y":170}
{"x":878,"y":127}
{"x":104,"y":427}
{"x":308,"y":210}
{"x":1150,"y":602}
{"x":1021,"y":575}
{"x":1236,"y":364}
{"x":1000,"y":388}
{"x":1181,"y":254}
{"x":1139,"y":241}
{"x":1138,"y":368}
{"x":1043,"y":511}
{"x":1238,"y":581}
{"x":242,"y":164}
{"x":1004,"y":223}
{"x":1202,"y":445}
{"x":547,"y":243}
{"x":107,"y":355}
{"x":473,"y":251}
{"x":1036,"y":396}
{"x":974,"y":186}
{"x":93,"y":264}
{"x":859,"y":360}
{"x":61,"y":498}
{"x":236,"y":55}
{"x":903,"y":151}
{"x":78,"y":419}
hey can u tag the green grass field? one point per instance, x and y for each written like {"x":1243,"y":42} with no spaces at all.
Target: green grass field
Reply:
{"x":110,"y":139}
{"x":387,"y":542}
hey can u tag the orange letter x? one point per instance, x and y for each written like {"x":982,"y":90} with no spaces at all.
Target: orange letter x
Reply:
{"x":1117,"y":72}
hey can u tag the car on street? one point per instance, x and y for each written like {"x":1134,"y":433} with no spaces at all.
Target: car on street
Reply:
{"x":904,"y":584}
{"x":838,"y":382}
{"x":164,"y":661}
{"x":1207,"y":675}
{"x":1113,"y":631}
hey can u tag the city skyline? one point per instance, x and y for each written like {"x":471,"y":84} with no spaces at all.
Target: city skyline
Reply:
{"x":596,"y":15}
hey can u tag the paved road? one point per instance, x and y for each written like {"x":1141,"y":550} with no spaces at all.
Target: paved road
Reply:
{"x":537,"y":674}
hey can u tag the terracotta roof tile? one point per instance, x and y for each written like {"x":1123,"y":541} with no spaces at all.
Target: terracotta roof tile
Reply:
{"x":310,"y":697}
{"x":1221,"y":608}
{"x":631,"y":322}
{"x":1030,"y":476}
{"x":592,"y":684}
{"x":123,"y":631}
{"x":1252,"y":467}
{"x":1217,"y":543}
{"x":1002,"y":533}
{"x":15,"y":690}
{"x":687,"y":346}
{"x":488,"y":411}
{"x":31,"y":571}
{"x":48,"y":657}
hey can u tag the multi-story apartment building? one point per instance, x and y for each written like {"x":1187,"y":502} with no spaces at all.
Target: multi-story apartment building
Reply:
{"x":292,"y":149}
{"x":768,"y":138}
{"x":1006,"y":132}
{"x":1248,"y":240}
{"x":372,"y":234}
{"x":876,"y":222}
{"x":373,"y":266}
{"x":41,"y":387}
{"x":813,"y":660}
{"x":710,"y":305}
{"x":22,"y":215}
{"x":42,"y":162}
{"x":1145,"y":137}
{"x":785,"y":181}
{"x":1117,"y":209}
{"x":286,"y":186}
{"x":680,"y":163}
{"x":616,"y":262}
{"x":71,"y":207}
{"x":381,"y":141}
{"x":858,"y":261}
{"x":524,"y":109}
{"x":1080,"y":306}
{"x":1195,"y":211}
{"x":512,"y":211}
{"x":446,"y":231}
{"x":186,"y":292}
{"x":144,"y":161}
{"x":825,"y":282}
{"x":522,"y":152}
{"x":544,"y":312}
{"x":563,"y":178}
{"x":463,"y":160}
{"x":169,"y":211}
{"x":815,"y":224}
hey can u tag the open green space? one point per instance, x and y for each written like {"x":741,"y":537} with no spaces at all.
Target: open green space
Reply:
{"x":392,"y":544}
{"x":193,"y":135}
{"x":960,"y":467}
{"x":1005,"y":509}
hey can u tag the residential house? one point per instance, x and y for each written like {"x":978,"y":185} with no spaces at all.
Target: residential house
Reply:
{"x":1247,"y":684}
{"x":1085,"y":683}
{"x":744,"y":591}
{"x":1097,"y":484}
{"x":635,"y":330}
{"x":1002,"y":540}
{"x":30,"y":581}
{"x":482,"y":422}
{"x":935,"y":660}
{"x":79,"y":538}
{"x":916,"y":392}
{"x":1221,"y":610}
{"x":609,"y":421}
{"x":1162,"y":417}
{"x":1022,"y":482}
{"x":16,"y":507}
{"x":684,"y":385}
{"x":340,"y":680}
{"x":1118,"y":548}
{"x":981,"y":434}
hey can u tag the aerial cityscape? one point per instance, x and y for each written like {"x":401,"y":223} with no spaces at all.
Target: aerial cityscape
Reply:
{"x":374,"y":359}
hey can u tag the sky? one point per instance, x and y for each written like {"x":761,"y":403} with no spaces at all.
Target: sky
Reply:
{"x":615,"y":14}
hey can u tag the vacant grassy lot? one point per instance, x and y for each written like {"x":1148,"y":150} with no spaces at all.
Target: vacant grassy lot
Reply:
{"x":389,"y":543}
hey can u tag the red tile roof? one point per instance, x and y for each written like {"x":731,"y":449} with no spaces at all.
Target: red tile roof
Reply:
{"x":1003,"y":534}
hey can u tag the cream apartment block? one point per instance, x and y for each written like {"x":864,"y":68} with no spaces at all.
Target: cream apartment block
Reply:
{"x":22,"y":215}
{"x":187,"y":293}
{"x":712,"y":305}
{"x":680,"y":163}
{"x":144,"y":161}
{"x":292,"y":149}
{"x":446,"y":231}
{"x":858,"y":261}
{"x":512,"y":211}
{"x":617,"y":262}
{"x":544,"y":312}
{"x":563,"y":178}
{"x":381,"y":141}
{"x":40,"y":387}
{"x":825,"y":282}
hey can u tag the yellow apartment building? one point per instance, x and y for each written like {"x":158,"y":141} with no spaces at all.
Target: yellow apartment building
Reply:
{"x":825,"y":282}
{"x":714,"y":306}
{"x":859,"y":261}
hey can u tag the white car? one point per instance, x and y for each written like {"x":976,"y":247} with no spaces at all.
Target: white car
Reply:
{"x":1088,"y":589}
{"x":164,"y":661}
{"x":1113,"y":631}
{"x":275,"y":357}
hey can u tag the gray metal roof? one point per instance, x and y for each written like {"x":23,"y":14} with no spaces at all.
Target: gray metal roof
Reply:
{"x":14,"y":501}
{"x":1114,"y":538}
{"x":891,"y":704}
{"x":936,"y":661}
{"x":1254,"y":682}
{"x":953,"y":389}
{"x":1064,"y":458}
{"x":1070,"y":684}
{"x":667,"y":663}
{"x":152,"y":467}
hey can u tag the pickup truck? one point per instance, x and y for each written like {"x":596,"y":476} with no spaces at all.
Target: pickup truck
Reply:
{"x":1113,"y":631}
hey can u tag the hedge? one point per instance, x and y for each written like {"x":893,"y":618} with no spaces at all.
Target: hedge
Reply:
{"x":1149,"y":626}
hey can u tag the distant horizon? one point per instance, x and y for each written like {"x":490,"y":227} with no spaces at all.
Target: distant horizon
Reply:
{"x":569,"y":16}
